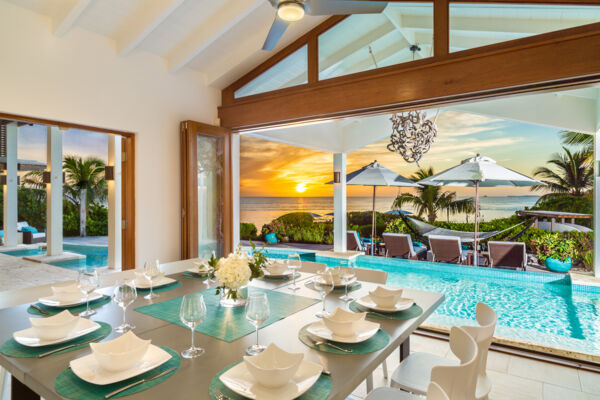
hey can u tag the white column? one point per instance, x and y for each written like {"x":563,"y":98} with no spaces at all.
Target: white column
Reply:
{"x":596,"y":209}
{"x":114,"y":203}
{"x":10,"y":189}
{"x":339,"y":203}
{"x":54,"y":192}
{"x":235,"y":188}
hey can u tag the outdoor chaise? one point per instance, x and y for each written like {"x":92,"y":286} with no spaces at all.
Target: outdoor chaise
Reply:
{"x":446,"y":249}
{"x":507,"y":254}
{"x":31,"y":237}
{"x":353,"y":242}
{"x":401,"y":245}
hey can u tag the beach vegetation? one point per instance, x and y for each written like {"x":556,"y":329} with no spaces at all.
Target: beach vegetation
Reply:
{"x":296,"y":219}
{"x":247,"y":231}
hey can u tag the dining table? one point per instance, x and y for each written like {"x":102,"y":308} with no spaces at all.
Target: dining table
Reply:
{"x":33,"y":378}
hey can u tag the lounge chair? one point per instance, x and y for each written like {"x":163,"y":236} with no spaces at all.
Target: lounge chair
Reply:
{"x":446,"y":249}
{"x":353,"y":242}
{"x":401,"y":245}
{"x":507,"y":254}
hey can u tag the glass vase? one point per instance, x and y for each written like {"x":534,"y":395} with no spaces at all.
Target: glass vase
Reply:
{"x":230,"y":299}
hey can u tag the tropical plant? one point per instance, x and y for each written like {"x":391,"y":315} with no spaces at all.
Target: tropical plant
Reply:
{"x":579,"y":139}
{"x":554,"y":245}
{"x":247,"y":231}
{"x":430,"y":200}
{"x":572,"y":175}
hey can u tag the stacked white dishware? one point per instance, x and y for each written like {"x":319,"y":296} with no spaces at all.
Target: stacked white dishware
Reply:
{"x":67,"y":296}
{"x":344,"y":327}
{"x":278,"y":269}
{"x":142,"y":282}
{"x":385,"y":299}
{"x":59,"y":328}
{"x":273,"y":374}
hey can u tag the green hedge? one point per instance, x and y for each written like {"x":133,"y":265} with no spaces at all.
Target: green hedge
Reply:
{"x":248,"y":231}
{"x":296,"y":219}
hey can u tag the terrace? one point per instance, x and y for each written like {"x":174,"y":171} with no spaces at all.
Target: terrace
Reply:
{"x":121,"y":150}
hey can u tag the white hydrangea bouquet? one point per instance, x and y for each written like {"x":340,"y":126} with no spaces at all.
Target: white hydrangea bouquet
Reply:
{"x":235,"y":271}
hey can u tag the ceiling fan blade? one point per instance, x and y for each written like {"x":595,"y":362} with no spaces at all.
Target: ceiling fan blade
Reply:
{"x":279,"y":26}
{"x":344,"y":7}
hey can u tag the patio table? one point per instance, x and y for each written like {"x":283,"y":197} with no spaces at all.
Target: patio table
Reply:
{"x":33,"y":378}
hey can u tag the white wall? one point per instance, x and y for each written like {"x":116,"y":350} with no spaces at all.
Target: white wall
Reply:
{"x":79,"y":78}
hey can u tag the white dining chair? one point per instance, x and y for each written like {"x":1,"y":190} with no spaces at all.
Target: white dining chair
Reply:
{"x":371,"y":275}
{"x":434,"y":392}
{"x":415,"y":371}
{"x":312,"y":267}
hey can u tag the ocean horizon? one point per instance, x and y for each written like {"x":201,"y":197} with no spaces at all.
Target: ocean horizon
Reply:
{"x":262,"y":210}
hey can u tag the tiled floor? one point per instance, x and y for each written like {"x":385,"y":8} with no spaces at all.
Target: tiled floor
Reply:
{"x":513,"y":377}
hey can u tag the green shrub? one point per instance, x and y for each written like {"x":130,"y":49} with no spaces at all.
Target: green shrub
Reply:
{"x":97,"y":220}
{"x":296,"y":219}
{"x":247,"y":231}
{"x":554,"y":245}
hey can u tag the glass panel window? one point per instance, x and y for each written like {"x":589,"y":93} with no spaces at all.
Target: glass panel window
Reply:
{"x":476,"y":25}
{"x":210,"y":195}
{"x":401,"y":33}
{"x":291,"y":71}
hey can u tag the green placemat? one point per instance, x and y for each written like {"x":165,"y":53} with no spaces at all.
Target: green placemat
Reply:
{"x":224,"y":323}
{"x":74,"y":310}
{"x":412,"y":312}
{"x":377,"y":342}
{"x":191,"y":275}
{"x":68,"y":385}
{"x":164,"y":288}
{"x":319,"y":391}
{"x":13,"y":349}
{"x":353,"y":286}
{"x":280,"y":278}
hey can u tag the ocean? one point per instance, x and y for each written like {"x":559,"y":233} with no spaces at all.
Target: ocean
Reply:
{"x":262,"y":210}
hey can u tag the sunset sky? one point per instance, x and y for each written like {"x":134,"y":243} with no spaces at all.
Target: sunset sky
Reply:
{"x":274,"y":169}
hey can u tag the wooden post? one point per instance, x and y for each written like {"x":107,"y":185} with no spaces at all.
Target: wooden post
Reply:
{"x":441,"y":28}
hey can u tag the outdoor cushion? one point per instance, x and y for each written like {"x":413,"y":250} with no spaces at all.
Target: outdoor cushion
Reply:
{"x":21,"y":225}
{"x":418,"y":244}
{"x":29,"y":229}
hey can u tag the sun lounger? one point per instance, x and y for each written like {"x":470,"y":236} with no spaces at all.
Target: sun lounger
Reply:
{"x":353,"y":242}
{"x":507,"y":254}
{"x":446,"y":249}
{"x":401,"y":245}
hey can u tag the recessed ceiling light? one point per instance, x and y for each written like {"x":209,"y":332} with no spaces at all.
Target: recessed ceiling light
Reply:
{"x":290,"y":11}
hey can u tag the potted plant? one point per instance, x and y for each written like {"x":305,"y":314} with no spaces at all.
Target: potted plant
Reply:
{"x":555,"y":251}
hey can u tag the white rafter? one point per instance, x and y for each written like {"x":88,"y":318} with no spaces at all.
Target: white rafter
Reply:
{"x":209,"y":31}
{"x":67,"y":19}
{"x":147,"y":18}
{"x":396,"y":20}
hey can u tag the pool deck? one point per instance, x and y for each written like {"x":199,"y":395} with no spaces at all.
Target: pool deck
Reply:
{"x":17,"y":273}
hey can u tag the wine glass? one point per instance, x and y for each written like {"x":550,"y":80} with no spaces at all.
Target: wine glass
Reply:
{"x":87,"y":282}
{"x":324,"y":284}
{"x":151,"y":272}
{"x":192,"y":313}
{"x":257,"y":311}
{"x":294,"y":263}
{"x":124,"y":294}
{"x":348,"y":275}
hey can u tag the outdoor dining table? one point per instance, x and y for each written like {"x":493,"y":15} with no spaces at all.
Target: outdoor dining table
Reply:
{"x":34,"y":378}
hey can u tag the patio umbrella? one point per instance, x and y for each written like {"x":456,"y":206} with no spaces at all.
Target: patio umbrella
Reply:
{"x":479,"y":172}
{"x":375,"y":175}
{"x":398,"y":212}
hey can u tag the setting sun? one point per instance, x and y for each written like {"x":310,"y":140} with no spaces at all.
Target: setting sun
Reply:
{"x":301,"y":187}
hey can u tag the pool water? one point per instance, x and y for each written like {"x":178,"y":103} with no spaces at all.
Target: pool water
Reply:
{"x":95,"y":256}
{"x":537,"y":307}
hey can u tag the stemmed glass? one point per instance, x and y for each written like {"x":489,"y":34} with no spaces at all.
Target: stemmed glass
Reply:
{"x":192,"y":313}
{"x":348,"y":274}
{"x":151,"y":272}
{"x":124,"y":294}
{"x":257,"y":311}
{"x":294,"y":263}
{"x":324,"y":284}
{"x":87,"y":282}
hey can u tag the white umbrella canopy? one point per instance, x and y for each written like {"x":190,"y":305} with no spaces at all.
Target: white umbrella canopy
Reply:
{"x":479,"y":172}
{"x":375,"y":174}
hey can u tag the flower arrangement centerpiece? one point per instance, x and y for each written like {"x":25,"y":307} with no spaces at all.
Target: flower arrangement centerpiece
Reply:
{"x":235,"y":271}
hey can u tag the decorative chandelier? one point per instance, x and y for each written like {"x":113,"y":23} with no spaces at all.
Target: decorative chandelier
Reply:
{"x":412,"y":135}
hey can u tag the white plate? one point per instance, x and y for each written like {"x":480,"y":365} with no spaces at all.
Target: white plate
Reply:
{"x":197,"y":271}
{"x":401,"y":305}
{"x":282,"y":275}
{"x":337,"y":285}
{"x":59,"y":301}
{"x":88,"y":369}
{"x":27,"y":337}
{"x":241,"y":381}
{"x":163,"y":281}
{"x":366,"y":330}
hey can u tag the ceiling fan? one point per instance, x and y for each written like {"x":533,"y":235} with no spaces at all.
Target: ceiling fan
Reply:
{"x":289,"y":11}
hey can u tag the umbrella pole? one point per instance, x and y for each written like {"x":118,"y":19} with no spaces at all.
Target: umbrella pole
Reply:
{"x":475,"y":261}
{"x":373,"y":225}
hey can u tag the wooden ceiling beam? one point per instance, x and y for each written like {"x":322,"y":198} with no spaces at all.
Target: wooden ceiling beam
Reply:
{"x":504,"y":68}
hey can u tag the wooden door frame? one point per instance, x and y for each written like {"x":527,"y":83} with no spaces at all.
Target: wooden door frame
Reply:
{"x":189,"y":186}
{"x":127,"y":181}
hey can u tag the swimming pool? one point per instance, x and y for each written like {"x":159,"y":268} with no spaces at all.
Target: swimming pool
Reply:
{"x":95,"y":256}
{"x":541,"y":308}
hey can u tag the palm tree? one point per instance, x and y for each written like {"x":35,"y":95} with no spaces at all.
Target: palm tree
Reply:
{"x":572,"y":174}
{"x":579,"y":139}
{"x":84,"y":183}
{"x":430,"y":199}
{"x":85,"y":180}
